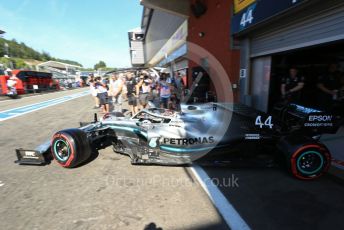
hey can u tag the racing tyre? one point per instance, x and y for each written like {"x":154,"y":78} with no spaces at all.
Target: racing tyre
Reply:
{"x":306,"y":158}
{"x":310,"y":161}
{"x":70,"y":147}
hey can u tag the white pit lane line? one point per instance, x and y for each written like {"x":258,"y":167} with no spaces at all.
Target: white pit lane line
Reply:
{"x":1,"y":183}
{"x":38,"y":95}
{"x":226,"y":209}
{"x":19,"y":111}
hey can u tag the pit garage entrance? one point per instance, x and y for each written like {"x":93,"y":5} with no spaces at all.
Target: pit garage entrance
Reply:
{"x":308,"y":35}
{"x":313,"y":64}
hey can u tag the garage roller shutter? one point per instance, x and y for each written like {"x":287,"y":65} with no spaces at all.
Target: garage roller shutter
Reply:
{"x":315,"y":28}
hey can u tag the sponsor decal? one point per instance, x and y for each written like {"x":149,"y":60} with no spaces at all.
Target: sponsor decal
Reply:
{"x":210,"y":107}
{"x":318,"y":124}
{"x":176,"y":123}
{"x":30,"y":157}
{"x":30,"y":153}
{"x":252,"y":136}
{"x":320,"y":118}
{"x":189,"y":141}
{"x":319,"y":121}
{"x":153,"y":142}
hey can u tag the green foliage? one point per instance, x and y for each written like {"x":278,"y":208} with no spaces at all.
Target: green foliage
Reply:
{"x":46,"y":56}
{"x":14,"y":63}
{"x":21,"y":50}
{"x":100,"y":64}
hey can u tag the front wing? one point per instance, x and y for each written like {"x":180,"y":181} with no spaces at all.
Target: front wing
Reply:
{"x":38,"y":156}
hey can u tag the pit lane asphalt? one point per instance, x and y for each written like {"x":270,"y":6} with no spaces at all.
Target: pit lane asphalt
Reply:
{"x":269,"y":198}
{"x":107,"y":193}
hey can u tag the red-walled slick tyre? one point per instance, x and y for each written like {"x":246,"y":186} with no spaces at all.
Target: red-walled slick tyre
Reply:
{"x":70,"y":147}
{"x":310,"y":161}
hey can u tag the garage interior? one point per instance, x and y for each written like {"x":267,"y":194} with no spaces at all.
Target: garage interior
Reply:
{"x":311,"y":63}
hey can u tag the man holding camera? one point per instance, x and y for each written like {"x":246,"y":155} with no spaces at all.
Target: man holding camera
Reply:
{"x":131,"y":93}
{"x":102,"y":94}
{"x":143,"y":89}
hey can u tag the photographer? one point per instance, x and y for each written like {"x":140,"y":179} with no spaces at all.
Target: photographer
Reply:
{"x":143,"y":89}
{"x":102,"y":94}
{"x":131,"y":93}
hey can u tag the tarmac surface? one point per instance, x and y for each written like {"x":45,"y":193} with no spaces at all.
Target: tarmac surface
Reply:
{"x":271,"y":199}
{"x":110,"y":193}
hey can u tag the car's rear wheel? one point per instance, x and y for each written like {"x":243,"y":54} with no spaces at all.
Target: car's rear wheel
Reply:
{"x":310,"y":161}
{"x":70,"y":147}
{"x":306,"y":158}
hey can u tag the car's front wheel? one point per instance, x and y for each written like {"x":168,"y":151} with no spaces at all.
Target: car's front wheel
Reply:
{"x":70,"y":147}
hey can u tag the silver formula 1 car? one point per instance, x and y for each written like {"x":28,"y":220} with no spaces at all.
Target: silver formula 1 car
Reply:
{"x":212,"y":133}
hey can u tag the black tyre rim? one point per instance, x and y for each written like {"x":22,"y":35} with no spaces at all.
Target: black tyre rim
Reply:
{"x":61,"y":150}
{"x":310,"y":162}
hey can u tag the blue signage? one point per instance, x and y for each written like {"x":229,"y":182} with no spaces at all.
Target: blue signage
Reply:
{"x":259,"y":11}
{"x":182,"y":50}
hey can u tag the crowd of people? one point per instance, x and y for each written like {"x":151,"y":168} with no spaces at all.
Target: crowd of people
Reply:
{"x":140,"y":89}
